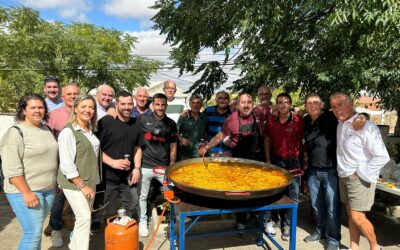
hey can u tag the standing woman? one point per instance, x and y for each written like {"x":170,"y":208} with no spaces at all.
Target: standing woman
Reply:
{"x":29,"y":155}
{"x":79,"y":167}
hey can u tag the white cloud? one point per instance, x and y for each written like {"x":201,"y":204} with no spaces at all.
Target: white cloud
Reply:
{"x":150,"y":43}
{"x":74,"y":10}
{"x":129,"y":8}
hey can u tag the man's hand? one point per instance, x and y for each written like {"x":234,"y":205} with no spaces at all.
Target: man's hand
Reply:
{"x":185,"y":142}
{"x":359,"y":122}
{"x":111,"y":111}
{"x":31,"y":200}
{"x":185,"y":113}
{"x":121,"y":164}
{"x":203,"y":150}
{"x":134,"y":176}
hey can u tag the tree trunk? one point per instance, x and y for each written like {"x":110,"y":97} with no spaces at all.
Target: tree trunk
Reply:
{"x":397,"y":127}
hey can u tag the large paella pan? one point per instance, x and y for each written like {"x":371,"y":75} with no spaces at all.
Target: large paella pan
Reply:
{"x":229,"y":178}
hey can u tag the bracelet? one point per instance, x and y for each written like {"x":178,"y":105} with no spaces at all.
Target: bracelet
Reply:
{"x":82,"y":185}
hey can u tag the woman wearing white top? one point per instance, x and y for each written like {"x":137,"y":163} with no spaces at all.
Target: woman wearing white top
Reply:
{"x":79,"y":167}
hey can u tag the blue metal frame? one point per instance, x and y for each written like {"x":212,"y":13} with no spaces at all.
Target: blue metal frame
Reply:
{"x":292,"y":206}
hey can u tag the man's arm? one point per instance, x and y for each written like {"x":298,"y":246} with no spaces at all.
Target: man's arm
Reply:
{"x":120,"y":164}
{"x":172,"y":153}
{"x":267,"y":147}
{"x":375,"y":146}
{"x":214,"y":142}
{"x":137,"y":152}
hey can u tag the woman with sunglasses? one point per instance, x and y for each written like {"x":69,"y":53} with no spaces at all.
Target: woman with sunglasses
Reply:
{"x":79,"y":167}
{"x":29,"y":155}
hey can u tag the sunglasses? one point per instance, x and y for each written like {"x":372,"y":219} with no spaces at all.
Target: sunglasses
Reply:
{"x":51,"y":78}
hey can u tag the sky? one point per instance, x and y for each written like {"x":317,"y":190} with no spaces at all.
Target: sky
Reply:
{"x":130,"y":16}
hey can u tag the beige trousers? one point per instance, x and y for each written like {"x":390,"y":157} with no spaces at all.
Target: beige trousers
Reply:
{"x":82,"y":211}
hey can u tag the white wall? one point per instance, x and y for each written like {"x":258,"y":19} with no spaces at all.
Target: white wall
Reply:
{"x":6,"y":121}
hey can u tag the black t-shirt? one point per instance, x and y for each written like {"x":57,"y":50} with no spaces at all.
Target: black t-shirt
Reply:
{"x":158,"y":135}
{"x":118,"y":138}
{"x":320,"y":138}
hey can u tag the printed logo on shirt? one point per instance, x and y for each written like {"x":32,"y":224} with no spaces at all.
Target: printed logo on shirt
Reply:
{"x":149,"y":123}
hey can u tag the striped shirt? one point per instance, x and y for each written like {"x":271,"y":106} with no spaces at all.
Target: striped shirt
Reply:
{"x":214,"y":126}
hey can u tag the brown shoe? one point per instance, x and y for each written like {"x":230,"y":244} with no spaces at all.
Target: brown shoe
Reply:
{"x":47,"y":230}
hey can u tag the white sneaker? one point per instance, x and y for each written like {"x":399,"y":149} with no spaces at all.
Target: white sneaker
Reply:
{"x":269,"y":227}
{"x":143,"y":230}
{"x":56,"y":238}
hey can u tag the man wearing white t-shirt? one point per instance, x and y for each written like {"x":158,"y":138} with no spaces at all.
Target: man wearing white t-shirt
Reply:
{"x":175,"y":106}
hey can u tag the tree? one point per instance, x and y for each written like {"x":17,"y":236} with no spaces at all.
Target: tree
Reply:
{"x":311,"y":45}
{"x":31,"y":48}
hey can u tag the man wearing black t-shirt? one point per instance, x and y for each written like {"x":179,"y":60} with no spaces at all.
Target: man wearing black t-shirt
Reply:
{"x":160,"y":136}
{"x":121,"y":141}
{"x":322,"y":177}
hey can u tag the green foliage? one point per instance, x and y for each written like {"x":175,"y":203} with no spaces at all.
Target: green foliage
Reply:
{"x":31,"y":48}
{"x":312,"y":45}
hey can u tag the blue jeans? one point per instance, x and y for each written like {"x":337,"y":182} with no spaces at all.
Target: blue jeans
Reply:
{"x":291,"y":191}
{"x":31,"y":219}
{"x":323,"y":185}
{"x":57,"y":211}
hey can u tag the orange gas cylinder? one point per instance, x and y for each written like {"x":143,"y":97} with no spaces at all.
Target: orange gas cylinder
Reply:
{"x":119,"y":237}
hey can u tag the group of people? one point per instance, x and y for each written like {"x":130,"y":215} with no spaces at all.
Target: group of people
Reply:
{"x":66,"y":147}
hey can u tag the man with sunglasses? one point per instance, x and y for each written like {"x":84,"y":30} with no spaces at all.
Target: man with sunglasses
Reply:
{"x":51,"y":87}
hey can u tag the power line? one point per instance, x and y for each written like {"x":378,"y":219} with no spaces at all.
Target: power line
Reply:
{"x":110,"y":69}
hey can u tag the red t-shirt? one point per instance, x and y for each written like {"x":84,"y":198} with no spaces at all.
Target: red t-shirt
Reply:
{"x":231,"y":126}
{"x":262,"y":113}
{"x":58,"y":118}
{"x":286,"y":138}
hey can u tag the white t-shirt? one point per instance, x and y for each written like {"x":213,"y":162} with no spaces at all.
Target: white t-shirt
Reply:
{"x":175,"y":109}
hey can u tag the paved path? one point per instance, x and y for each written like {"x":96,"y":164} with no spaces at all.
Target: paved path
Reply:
{"x":387,"y":230}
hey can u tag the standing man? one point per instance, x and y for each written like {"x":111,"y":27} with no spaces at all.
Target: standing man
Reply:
{"x":104,"y":97}
{"x":360,"y":156}
{"x":175,"y":106}
{"x":121,"y":140}
{"x":51,"y":87}
{"x":160,"y":136}
{"x":263,"y":110}
{"x":58,"y":118}
{"x":241,"y":133}
{"x":216,"y":115}
{"x":191,"y":129}
{"x":322,"y":177}
{"x":141,"y":98}
{"x":283,"y":147}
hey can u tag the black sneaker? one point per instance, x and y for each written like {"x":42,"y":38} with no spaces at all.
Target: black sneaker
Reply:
{"x":312,"y":238}
{"x":285,"y":233}
{"x":332,"y":246}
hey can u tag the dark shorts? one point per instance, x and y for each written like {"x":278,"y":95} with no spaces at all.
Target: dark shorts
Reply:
{"x":357,"y":193}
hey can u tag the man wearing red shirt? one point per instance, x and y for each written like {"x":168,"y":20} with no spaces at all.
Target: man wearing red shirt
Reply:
{"x":283,"y":147}
{"x":263,"y":110}
{"x":240,"y":132}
